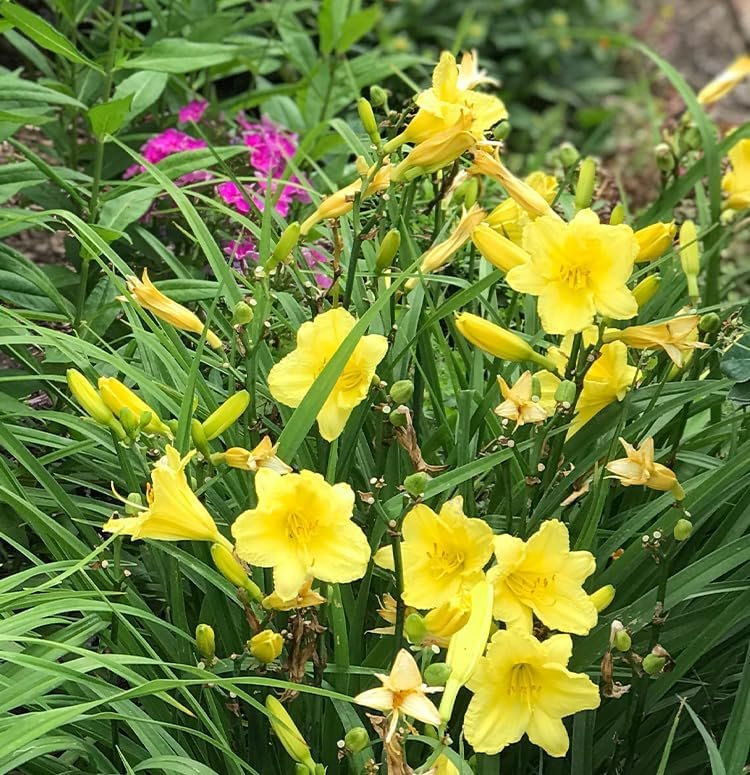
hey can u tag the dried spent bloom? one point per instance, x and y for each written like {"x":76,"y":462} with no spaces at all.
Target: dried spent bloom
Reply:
{"x":307,"y":597}
{"x":639,"y":468}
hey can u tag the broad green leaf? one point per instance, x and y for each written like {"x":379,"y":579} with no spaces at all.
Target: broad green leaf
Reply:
{"x":108,"y":118}
{"x":177,"y":55}
{"x":357,"y":26}
{"x":144,"y":89}
{"x":735,"y":362}
{"x":120,"y":211}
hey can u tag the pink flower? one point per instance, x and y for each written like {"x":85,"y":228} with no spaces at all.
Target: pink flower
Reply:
{"x":315,"y":258}
{"x":193,"y":111}
{"x":241,"y":252}
{"x":162,"y":145}
{"x":231,"y":194}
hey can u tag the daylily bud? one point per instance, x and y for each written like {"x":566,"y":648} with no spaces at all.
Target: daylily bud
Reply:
{"x":289,"y":736}
{"x":654,"y":241}
{"x":437,"y":674}
{"x":145,"y":420}
{"x":568,"y":154}
{"x":288,"y":239}
{"x":683,"y":529}
{"x":402,"y":391}
{"x":467,"y":192}
{"x":501,"y":130}
{"x":415,"y":629}
{"x":622,"y":640}
{"x":498,"y":341}
{"x":602,"y":597}
{"x":691,"y":138}
{"x":665,"y":160}
{"x":652,"y":664}
{"x":242,"y":314}
{"x":536,"y":388}
{"x":357,"y":739}
{"x":129,"y":422}
{"x":227,"y":414}
{"x":88,"y":397}
{"x":118,"y":396}
{"x":199,"y":438}
{"x":497,"y":249}
{"x":617,"y":216}
{"x":266,"y":646}
{"x":367,"y":117}
{"x":709,"y":323}
{"x":229,"y":567}
{"x":387,"y":250}
{"x":586,"y":182}
{"x":690,"y":256}
{"x":646,"y":289}
{"x":133,"y":504}
{"x":415,"y":484}
{"x":566,"y":393}
{"x":320,"y":769}
{"x":206,"y":642}
{"x":378,"y":96}
{"x":436,"y":152}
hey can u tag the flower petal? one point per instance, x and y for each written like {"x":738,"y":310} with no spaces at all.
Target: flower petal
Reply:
{"x":548,"y":733}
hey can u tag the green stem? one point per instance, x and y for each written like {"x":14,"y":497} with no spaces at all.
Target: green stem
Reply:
{"x":398,"y":568}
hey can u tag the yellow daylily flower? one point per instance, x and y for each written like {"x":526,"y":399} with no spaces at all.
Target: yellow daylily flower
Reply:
{"x":639,"y":468}
{"x":117,"y":397}
{"x":577,"y":269}
{"x":498,"y":341}
{"x":174,"y":512}
{"x":509,"y":218}
{"x":302,"y":527}
{"x":726,"y":81}
{"x":261,"y":456}
{"x":522,"y":687}
{"x":403,"y":693}
{"x":307,"y":597}
{"x":559,"y":355}
{"x":654,"y":241}
{"x":266,"y":646}
{"x":736,"y":182}
{"x":442,"y":554}
{"x":470,"y":74}
{"x":519,"y":404}
{"x":608,"y":380}
{"x":317,"y":341}
{"x":444,"y":766}
{"x":542,"y":576}
{"x":497,"y":249}
{"x":676,"y":337}
{"x":441,"y":253}
{"x":450,"y":97}
{"x":147,"y":296}
{"x":341,"y":202}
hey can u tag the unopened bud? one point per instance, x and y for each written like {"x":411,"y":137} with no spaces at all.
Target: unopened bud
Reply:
{"x":568,"y":154}
{"x":602,"y":597}
{"x":199,"y":438}
{"x":265,"y":646}
{"x":691,"y":138}
{"x":665,"y":160}
{"x":242,"y":314}
{"x":709,"y":323}
{"x":566,"y":392}
{"x":288,"y":239}
{"x":652,"y":664}
{"x":586,"y":183}
{"x":415,"y":628}
{"x":357,"y":739}
{"x":145,"y":419}
{"x":501,"y":130}
{"x":437,"y":674}
{"x":646,"y":289}
{"x":690,"y":256}
{"x":378,"y":96}
{"x":367,"y":117}
{"x":129,"y":422}
{"x":88,"y":398}
{"x":683,"y":530}
{"x":289,"y":735}
{"x":617,"y":216}
{"x":467,"y":192}
{"x":402,"y":391}
{"x":133,"y":504}
{"x":536,"y":387}
{"x":205,"y":641}
{"x":231,"y":568}
{"x":226,"y":415}
{"x":387,"y":250}
{"x":415,"y":484}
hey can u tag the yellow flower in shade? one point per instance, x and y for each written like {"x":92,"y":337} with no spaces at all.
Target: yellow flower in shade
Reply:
{"x":266,"y":646}
{"x":726,"y":81}
{"x":522,"y":687}
{"x":147,"y":296}
{"x":522,"y":193}
{"x":443,"y":622}
{"x":302,"y":527}
{"x":444,"y":766}
{"x":307,"y":597}
{"x":442,"y":554}
{"x":676,"y":337}
{"x":497,"y":249}
{"x":498,"y":341}
{"x":654,"y":241}
{"x":602,"y":598}
{"x":117,"y":396}
{"x":509,"y":218}
{"x":559,"y":355}
{"x":542,"y":576}
{"x":403,"y":693}
{"x":262,"y":456}
{"x":577,"y":269}
{"x":452,"y":96}
{"x":736,"y":182}
{"x":442,"y":252}
{"x":317,"y":341}
{"x":174,"y":512}
{"x":436,"y":152}
{"x":341,"y":202}
{"x":519,"y":404}
{"x":608,"y":380}
{"x":639,"y":468}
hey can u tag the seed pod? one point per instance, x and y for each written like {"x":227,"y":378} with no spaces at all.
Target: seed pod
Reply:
{"x":568,"y":154}
{"x":652,"y":664}
{"x":378,"y":96}
{"x":622,"y":641}
{"x":415,"y":629}
{"x":683,"y":530}
{"x":617,"y":216}
{"x":402,"y":391}
{"x":242,"y":314}
{"x":709,"y":323}
{"x":501,"y":130}
{"x":357,"y":739}
{"x":415,"y":484}
{"x":437,"y":674}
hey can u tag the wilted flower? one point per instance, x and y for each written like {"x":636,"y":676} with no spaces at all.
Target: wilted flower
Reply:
{"x":639,"y":468}
{"x":519,"y":403}
{"x":261,"y":456}
{"x":305,"y":598}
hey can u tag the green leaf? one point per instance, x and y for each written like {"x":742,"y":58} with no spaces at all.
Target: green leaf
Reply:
{"x":736,"y":361}
{"x":177,"y":55}
{"x":23,"y":284}
{"x":144,"y":89}
{"x":735,"y":744}
{"x":330,"y":23}
{"x":740,"y":393}
{"x":108,"y":118}
{"x":43,"y":33}
{"x":120,"y":211}
{"x":714,"y":758}
{"x":356,"y":27}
